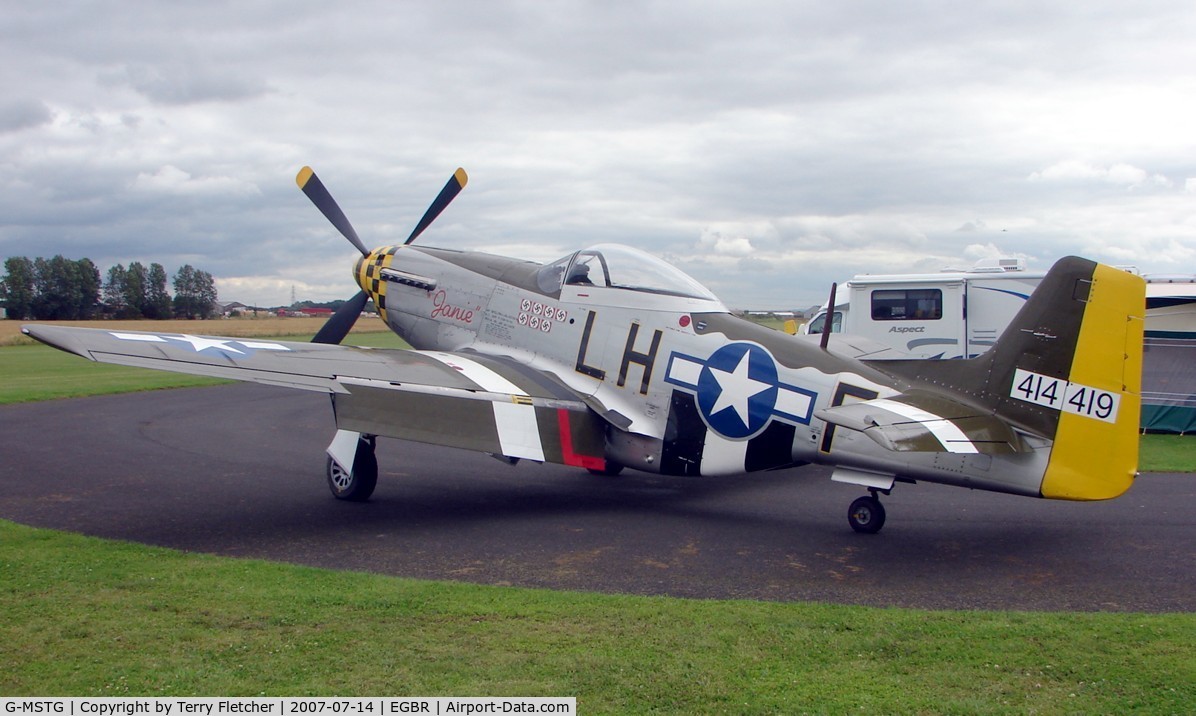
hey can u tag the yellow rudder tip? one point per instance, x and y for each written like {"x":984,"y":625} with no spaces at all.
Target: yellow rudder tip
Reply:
{"x":1095,"y":454}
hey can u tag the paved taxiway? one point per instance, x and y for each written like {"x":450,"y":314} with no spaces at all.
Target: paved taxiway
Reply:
{"x":238,"y":470}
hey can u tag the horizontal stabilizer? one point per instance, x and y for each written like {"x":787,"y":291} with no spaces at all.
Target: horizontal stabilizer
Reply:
{"x":917,"y":422}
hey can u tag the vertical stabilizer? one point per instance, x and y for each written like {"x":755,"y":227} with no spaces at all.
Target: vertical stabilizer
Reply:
{"x":1068,"y":368}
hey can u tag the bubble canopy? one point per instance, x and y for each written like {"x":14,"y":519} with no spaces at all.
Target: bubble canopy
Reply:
{"x":615,"y":266}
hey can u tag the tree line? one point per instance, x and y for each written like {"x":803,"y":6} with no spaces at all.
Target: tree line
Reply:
{"x":61,"y":289}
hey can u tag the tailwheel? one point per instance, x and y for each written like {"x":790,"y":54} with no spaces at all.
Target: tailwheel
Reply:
{"x":358,"y":484}
{"x":866,"y":514}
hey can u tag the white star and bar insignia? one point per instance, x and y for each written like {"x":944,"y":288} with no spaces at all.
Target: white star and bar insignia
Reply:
{"x":738,"y":389}
{"x":199,"y":344}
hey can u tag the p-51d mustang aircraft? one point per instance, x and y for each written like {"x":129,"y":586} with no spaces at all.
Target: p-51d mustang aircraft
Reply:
{"x":610,"y":358}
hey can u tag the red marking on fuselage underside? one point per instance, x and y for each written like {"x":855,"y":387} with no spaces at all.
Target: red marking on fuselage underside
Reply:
{"x":571,"y":458}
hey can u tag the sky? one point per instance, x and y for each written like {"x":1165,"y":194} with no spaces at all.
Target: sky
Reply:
{"x":765,"y":148}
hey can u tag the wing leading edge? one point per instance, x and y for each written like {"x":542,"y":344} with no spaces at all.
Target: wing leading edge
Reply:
{"x":458,"y":400}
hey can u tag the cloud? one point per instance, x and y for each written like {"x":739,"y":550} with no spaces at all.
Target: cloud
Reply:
{"x":188,"y":83}
{"x":723,"y":244}
{"x":767,"y":148}
{"x":1124,"y":175}
{"x":172,"y":180}
{"x":983,"y":252}
{"x":268,"y":291}
{"x":18,"y":114}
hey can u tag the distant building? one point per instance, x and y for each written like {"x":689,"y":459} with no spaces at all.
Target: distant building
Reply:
{"x":226,"y":309}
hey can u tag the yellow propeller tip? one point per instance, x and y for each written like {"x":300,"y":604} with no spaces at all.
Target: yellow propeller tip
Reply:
{"x":303,"y":176}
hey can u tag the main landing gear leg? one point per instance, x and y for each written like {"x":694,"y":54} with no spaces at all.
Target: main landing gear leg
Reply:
{"x":352,"y":468}
{"x":866,"y":514}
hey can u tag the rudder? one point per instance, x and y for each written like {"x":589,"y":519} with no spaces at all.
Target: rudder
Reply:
{"x":1095,"y":455}
{"x":1067,"y":368}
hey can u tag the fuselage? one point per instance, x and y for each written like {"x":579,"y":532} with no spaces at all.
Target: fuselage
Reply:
{"x":685,"y":386}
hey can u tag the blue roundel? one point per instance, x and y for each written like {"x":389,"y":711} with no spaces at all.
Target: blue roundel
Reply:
{"x":737,"y":390}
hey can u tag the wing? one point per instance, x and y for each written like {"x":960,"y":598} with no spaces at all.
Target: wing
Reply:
{"x":471,"y":401}
{"x":925,"y":422}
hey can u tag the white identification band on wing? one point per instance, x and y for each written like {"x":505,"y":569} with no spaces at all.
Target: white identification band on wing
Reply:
{"x":518,"y":431}
{"x":947,"y":432}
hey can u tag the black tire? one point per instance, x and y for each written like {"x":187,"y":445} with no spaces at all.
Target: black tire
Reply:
{"x":866,"y":515}
{"x":358,"y":485}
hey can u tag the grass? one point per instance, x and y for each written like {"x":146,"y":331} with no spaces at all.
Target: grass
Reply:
{"x":37,"y":372}
{"x":81,"y":616}
{"x":769,"y":321}
{"x":1167,"y":453}
{"x":84,"y":616}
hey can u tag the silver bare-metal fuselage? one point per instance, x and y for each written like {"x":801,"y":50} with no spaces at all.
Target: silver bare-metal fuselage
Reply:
{"x":685,"y":386}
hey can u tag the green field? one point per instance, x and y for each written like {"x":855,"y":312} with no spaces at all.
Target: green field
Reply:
{"x":89,"y":617}
{"x":82,"y":616}
{"x":1167,"y":453}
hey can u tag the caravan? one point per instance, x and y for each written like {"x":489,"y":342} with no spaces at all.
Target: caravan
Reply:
{"x":958,"y":314}
{"x":952,"y":314}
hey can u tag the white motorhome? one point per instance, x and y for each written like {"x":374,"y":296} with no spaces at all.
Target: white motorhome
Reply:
{"x":956,"y":314}
{"x":951,"y":314}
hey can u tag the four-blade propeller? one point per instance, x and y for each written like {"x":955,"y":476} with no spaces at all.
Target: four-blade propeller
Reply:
{"x":337,"y":327}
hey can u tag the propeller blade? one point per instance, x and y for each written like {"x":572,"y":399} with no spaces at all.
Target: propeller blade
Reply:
{"x":337,"y":327}
{"x":314,"y":188}
{"x":828,"y":323}
{"x":450,"y":191}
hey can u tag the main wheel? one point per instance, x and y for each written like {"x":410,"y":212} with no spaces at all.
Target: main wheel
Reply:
{"x":866,"y":515}
{"x":358,"y":485}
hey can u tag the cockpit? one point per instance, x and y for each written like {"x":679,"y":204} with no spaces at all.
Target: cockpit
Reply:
{"x":623,"y":268}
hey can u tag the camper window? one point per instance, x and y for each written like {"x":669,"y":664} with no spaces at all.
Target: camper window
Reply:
{"x":907,"y":305}
{"x":816,"y":325}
